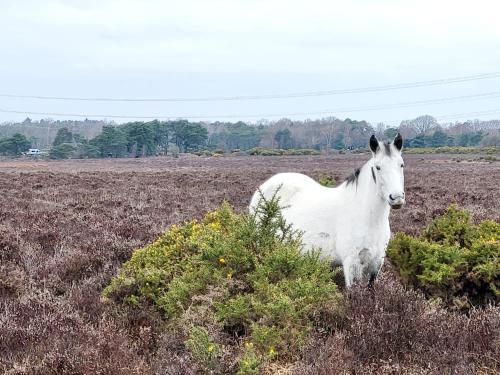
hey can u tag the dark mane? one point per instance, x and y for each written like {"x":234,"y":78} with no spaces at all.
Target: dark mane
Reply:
{"x":353,"y":178}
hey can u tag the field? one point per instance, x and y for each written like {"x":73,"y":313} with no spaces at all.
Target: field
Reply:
{"x":67,"y":226}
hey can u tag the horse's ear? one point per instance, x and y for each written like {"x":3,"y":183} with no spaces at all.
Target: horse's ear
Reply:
{"x":374,"y":144}
{"x":398,"y":142}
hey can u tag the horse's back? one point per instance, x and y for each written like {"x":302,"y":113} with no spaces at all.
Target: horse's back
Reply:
{"x":287,"y":186}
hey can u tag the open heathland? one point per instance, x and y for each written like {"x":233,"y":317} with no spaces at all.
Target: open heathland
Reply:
{"x":66,"y":228}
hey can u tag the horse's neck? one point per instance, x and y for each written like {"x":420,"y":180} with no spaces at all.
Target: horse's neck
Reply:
{"x":365,"y":202}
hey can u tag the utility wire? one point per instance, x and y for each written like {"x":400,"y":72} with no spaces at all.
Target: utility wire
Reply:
{"x":488,"y":95}
{"x":467,"y":114}
{"x":397,"y":86}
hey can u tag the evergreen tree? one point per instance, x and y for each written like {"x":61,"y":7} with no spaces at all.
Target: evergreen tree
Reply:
{"x":418,"y":141}
{"x":470,"y":139}
{"x":237,"y":136}
{"x":284,"y":138}
{"x":390,"y":133}
{"x":140,"y":138}
{"x":111,"y":142}
{"x":438,"y":139}
{"x":15,"y":145}
{"x":62,"y":151}
{"x":188,"y":136}
{"x":338,"y":142}
{"x":63,"y":136}
{"x":161,"y":134}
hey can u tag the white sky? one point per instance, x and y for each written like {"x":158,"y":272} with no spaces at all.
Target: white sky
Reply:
{"x":158,"y":49}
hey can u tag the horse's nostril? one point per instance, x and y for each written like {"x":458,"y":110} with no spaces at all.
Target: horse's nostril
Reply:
{"x":390,"y":197}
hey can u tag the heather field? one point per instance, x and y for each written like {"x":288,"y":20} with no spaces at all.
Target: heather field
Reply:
{"x":66,"y":227}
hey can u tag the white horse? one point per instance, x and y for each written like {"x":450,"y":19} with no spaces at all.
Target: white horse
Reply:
{"x":349,"y":223}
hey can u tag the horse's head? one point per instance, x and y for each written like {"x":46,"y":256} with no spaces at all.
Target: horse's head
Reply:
{"x":387,"y":170}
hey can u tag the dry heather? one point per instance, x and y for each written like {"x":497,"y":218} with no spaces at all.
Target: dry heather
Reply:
{"x":66,"y":227}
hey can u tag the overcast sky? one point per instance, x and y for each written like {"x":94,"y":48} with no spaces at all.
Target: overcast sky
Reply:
{"x":192,"y":49}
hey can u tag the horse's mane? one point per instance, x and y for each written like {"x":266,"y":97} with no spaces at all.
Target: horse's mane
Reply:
{"x":353,"y":177}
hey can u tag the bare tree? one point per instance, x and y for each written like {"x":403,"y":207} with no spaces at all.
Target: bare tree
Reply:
{"x":328,"y":133}
{"x":380,"y":129}
{"x":421,"y":124}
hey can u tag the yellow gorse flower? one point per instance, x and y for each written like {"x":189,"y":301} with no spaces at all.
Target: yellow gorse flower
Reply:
{"x":490,"y":241}
{"x":214,"y":226}
{"x":222,"y":260}
{"x":211,"y":348}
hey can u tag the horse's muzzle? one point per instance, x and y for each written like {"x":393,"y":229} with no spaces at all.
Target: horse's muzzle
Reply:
{"x":396,"y":206}
{"x":397,"y":201}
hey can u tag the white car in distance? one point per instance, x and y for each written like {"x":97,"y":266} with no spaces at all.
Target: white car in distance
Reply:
{"x":34,"y":152}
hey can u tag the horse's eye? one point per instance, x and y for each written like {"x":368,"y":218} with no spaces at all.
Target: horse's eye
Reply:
{"x":378,"y":167}
{"x":402,"y":165}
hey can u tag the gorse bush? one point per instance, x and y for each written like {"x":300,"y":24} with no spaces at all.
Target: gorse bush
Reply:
{"x":232,"y":282}
{"x":452,"y":150}
{"x":326,"y":180}
{"x":453,"y":259}
{"x":278,"y":151}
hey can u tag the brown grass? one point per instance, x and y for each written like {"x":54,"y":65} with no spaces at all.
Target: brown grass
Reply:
{"x":66,"y":227}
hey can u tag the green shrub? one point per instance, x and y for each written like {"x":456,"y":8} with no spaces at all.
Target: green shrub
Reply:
{"x":62,"y":151}
{"x":216,"y":153}
{"x":453,"y":259}
{"x":229,"y":276}
{"x":204,"y":350}
{"x":301,"y":151}
{"x":277,"y":151}
{"x":451,"y":150}
{"x":204,"y":153}
{"x":326,"y":180}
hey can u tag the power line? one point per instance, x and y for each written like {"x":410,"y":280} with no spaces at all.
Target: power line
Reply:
{"x":488,"y":95}
{"x":397,"y":86}
{"x":467,"y":114}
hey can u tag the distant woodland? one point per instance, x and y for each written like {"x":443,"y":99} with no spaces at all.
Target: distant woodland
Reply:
{"x":95,"y":138}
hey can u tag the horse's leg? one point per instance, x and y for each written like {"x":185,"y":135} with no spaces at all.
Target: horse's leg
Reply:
{"x":375,"y":267}
{"x":352,"y":270}
{"x":371,"y":281}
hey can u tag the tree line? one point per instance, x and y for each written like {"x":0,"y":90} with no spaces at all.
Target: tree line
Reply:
{"x":133,"y":139}
{"x":137,"y":139}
